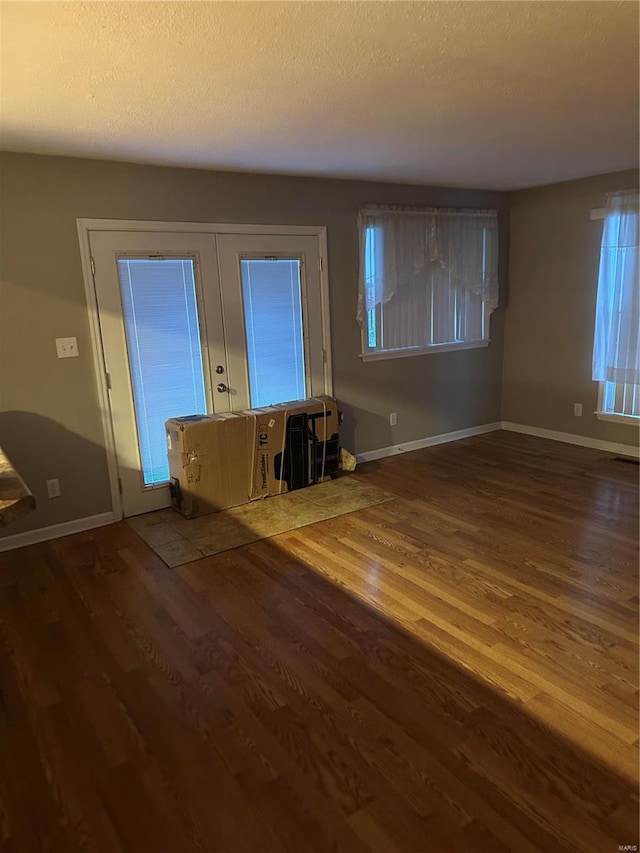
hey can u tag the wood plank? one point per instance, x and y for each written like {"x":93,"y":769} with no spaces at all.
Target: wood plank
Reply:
{"x":454,"y":670}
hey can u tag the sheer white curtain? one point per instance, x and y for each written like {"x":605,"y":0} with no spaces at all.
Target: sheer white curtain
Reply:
{"x":402,"y":247}
{"x":616,"y":350}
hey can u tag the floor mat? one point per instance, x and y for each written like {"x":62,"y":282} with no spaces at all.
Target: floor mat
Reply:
{"x":178,"y":540}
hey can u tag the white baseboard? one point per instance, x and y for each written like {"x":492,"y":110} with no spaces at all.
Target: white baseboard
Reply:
{"x":429,"y":441}
{"x":570,"y":438}
{"x":79,"y":525}
{"x":443,"y":438}
{"x":43,"y":534}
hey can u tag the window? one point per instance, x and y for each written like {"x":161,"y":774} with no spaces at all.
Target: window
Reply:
{"x":160,"y":312}
{"x":616,"y":350}
{"x":272,"y":296}
{"x":620,"y":399}
{"x":428,"y":280}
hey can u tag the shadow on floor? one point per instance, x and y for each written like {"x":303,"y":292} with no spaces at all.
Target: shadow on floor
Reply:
{"x":245,"y":702}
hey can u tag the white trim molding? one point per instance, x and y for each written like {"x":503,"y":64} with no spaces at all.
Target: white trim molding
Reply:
{"x":99,"y":366}
{"x":553,"y":435}
{"x":570,"y":438}
{"x":406,"y":352}
{"x":44,"y":534}
{"x":630,"y":420}
{"x":429,"y":441}
{"x":197,"y":227}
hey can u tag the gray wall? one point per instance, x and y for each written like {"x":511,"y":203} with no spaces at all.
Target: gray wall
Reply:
{"x":50,"y":422}
{"x":554,"y":254}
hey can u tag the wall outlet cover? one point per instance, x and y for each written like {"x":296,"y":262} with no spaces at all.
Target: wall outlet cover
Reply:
{"x":67,"y":347}
{"x":53,"y":488}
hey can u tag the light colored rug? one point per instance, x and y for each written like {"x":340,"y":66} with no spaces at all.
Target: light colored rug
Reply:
{"x":179,"y":540}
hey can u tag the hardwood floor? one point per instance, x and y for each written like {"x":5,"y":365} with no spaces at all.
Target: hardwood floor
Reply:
{"x":454,"y":670}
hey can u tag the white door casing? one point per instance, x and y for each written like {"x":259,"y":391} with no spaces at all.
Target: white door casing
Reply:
{"x":214,"y":248}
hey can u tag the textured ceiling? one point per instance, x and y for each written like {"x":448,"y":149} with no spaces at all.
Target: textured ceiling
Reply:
{"x":480,"y":94}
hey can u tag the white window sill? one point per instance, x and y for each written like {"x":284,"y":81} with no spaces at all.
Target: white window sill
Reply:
{"x":409,"y":351}
{"x":631,"y":420}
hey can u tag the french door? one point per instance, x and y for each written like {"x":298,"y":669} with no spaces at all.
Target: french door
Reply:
{"x":192,"y":323}
{"x":273,"y":318}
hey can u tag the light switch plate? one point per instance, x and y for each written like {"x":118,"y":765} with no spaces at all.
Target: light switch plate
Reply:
{"x":67,"y":347}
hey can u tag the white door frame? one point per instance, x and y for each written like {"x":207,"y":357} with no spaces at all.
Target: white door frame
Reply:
{"x":86,"y":226}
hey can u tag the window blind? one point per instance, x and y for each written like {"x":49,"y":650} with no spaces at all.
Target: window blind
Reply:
{"x":163,"y":339}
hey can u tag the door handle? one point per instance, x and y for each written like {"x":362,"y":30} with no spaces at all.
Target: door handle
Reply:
{"x":221,"y":388}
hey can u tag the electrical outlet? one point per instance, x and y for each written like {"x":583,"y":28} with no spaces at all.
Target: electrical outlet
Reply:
{"x":67,"y":347}
{"x":393,"y":418}
{"x":53,"y":488}
{"x":577,"y":410}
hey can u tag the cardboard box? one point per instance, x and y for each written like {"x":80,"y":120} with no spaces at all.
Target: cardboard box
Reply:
{"x":294,"y":445}
{"x":220,"y":461}
{"x":209,"y":465}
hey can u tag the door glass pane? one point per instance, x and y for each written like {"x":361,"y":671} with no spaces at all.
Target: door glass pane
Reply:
{"x":163,"y":339}
{"x":271,"y":293}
